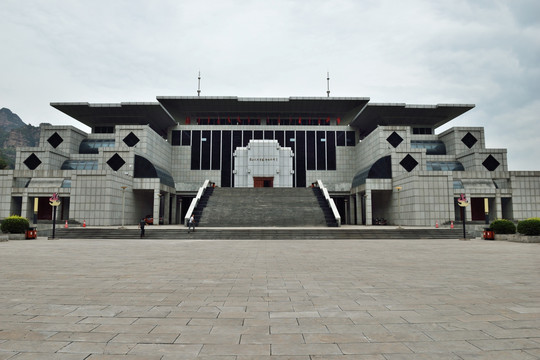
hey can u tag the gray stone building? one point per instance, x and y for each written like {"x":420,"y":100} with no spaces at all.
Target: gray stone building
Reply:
{"x":376,"y":160}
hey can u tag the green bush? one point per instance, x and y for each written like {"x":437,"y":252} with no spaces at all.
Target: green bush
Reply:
{"x":503,"y":226}
{"x":15,"y":225}
{"x":529,"y":227}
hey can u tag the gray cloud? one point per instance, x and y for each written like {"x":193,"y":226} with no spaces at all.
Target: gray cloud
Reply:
{"x":459,"y":51}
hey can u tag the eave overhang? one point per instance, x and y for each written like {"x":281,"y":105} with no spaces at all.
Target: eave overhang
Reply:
{"x":430,"y":116}
{"x":126,"y":113}
{"x":182,"y":107}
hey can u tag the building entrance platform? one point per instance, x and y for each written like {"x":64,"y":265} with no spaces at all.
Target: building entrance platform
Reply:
{"x":269,"y":299}
{"x":178,"y":232}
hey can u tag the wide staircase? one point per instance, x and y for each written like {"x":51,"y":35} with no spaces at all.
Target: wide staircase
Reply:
{"x":262,"y":207}
{"x":179,"y":232}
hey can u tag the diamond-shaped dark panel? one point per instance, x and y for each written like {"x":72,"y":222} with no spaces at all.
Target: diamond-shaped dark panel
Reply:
{"x":408,"y":163}
{"x":491,"y":163}
{"x":469,"y":140}
{"x":394,"y":139}
{"x":32,"y":162}
{"x":116,"y":162}
{"x":131,"y":140}
{"x":55,"y":140}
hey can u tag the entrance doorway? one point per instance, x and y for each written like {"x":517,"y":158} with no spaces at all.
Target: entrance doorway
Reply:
{"x":263,"y":182}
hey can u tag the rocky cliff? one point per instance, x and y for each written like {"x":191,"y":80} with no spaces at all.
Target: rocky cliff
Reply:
{"x":14,"y":133}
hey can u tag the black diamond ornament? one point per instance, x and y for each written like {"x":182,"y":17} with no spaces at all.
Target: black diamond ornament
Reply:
{"x":116,"y":162}
{"x":131,"y":140}
{"x":32,"y":162}
{"x":491,"y":163}
{"x":55,"y":140}
{"x":469,"y":140}
{"x":394,"y":139}
{"x":408,"y":163}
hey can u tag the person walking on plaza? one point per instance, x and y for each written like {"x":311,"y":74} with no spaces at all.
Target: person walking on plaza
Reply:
{"x":142,"y":224}
{"x":191,"y":223}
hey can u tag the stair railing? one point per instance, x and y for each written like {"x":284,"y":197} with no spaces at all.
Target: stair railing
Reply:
{"x":330,"y":202}
{"x":195,"y":201}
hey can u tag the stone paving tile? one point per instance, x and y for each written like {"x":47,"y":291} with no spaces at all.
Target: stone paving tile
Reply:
{"x":305,"y":349}
{"x":499,"y":355}
{"x":86,"y":347}
{"x":208,"y":339}
{"x":271,"y":357}
{"x":57,"y":356}
{"x":178,"y":350}
{"x":145,"y":338}
{"x":243,"y":349}
{"x":272,"y":339}
{"x":334,"y":338}
{"x":82,"y":336}
{"x":442,"y":347}
{"x":269,"y":299}
{"x":374,"y":348}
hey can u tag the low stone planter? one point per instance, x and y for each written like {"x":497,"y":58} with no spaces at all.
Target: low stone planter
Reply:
{"x":16,"y":236}
{"x":517,"y":238}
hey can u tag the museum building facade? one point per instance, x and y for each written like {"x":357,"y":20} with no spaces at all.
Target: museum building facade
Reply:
{"x":376,"y":160}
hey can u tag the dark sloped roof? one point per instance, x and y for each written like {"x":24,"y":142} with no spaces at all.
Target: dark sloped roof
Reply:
{"x":93,"y":115}
{"x":180,"y":107}
{"x":431,"y":116}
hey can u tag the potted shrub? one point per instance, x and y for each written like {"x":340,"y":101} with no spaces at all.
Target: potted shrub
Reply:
{"x":529,"y":229}
{"x":503,"y":227}
{"x":15,"y":226}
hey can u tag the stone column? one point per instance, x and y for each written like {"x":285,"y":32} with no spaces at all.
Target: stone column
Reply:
{"x":369,"y":210}
{"x":166,"y":206}
{"x":498,"y":205}
{"x":157,"y":201}
{"x":173,"y":209}
{"x":25,"y":210}
{"x":358,"y":199}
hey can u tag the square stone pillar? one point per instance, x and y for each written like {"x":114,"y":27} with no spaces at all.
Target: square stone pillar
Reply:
{"x":157,"y":203}
{"x":369,"y":208}
{"x":173,"y":208}
{"x":358,"y":199}
{"x":166,"y":206}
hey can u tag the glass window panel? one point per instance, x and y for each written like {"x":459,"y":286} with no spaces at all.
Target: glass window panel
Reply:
{"x":321,"y":150}
{"x":226,"y":159}
{"x":248,"y":135}
{"x":206,"y":146}
{"x":340,"y":138}
{"x":300,"y":159}
{"x":310,"y":150}
{"x":176,"y":136}
{"x":216,"y":150}
{"x":196,"y":150}
{"x":331,"y":150}
{"x":351,"y":138}
{"x":280,"y":138}
{"x":186,"y":137}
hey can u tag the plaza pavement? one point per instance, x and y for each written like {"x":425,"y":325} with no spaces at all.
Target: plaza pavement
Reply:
{"x":269,"y":299}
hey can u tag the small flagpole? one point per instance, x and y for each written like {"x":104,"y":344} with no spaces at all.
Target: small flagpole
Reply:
{"x":327,"y":84}
{"x":199,"y":84}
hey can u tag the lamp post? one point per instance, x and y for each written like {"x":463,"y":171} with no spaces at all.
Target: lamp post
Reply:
{"x":398,"y":188}
{"x":123,"y":204}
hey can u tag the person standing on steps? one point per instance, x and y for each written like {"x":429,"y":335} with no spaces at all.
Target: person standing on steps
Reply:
{"x":191,"y":223}
{"x":142,"y":224}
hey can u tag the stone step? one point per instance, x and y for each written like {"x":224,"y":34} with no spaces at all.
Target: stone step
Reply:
{"x":181,"y":233}
{"x":266,"y":207}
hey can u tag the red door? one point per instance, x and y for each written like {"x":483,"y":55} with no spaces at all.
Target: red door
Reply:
{"x":263,"y":182}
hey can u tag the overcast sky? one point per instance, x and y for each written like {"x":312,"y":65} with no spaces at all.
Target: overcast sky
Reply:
{"x":482,"y":52}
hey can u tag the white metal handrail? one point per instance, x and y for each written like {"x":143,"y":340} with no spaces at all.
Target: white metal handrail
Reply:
{"x":195,"y":201}
{"x":330,"y":202}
